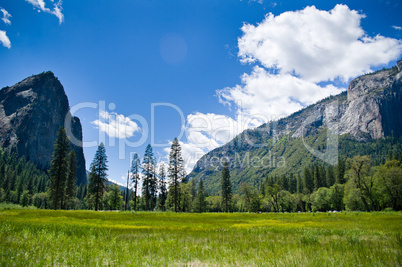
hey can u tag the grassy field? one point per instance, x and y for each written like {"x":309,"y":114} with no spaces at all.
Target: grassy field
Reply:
{"x":44,"y":237}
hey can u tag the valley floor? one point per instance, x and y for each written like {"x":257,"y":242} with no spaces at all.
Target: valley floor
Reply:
{"x":87,"y":238}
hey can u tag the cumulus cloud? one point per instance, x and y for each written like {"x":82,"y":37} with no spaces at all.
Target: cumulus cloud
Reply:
{"x":57,"y":8}
{"x":6,"y":16}
{"x":397,"y":27}
{"x":316,"y":45}
{"x":267,"y":97}
{"x":299,"y":57}
{"x":116,"y":125}
{"x":4,"y":39}
{"x":205,"y":132}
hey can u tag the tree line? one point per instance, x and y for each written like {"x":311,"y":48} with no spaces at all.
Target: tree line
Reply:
{"x":354,"y":184}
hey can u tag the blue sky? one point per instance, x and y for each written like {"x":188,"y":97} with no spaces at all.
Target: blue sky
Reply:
{"x":223,"y":66}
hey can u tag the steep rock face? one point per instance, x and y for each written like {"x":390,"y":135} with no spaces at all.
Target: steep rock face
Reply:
{"x":373,"y":104}
{"x":31,"y":112}
{"x":370,"y":109}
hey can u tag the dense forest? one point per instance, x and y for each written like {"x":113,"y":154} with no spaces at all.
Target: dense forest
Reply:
{"x":366,"y":183}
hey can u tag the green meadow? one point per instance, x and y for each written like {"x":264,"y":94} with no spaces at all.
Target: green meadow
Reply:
{"x":88,"y":238}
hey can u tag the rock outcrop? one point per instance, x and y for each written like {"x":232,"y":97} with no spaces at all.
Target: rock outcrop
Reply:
{"x":370,"y":109}
{"x":31,"y":112}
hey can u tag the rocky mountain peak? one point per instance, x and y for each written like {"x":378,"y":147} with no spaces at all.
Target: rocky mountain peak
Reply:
{"x":31,"y":112}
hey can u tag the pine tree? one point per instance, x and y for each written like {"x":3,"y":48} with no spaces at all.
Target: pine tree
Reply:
{"x":162,"y":187}
{"x":317,"y":178}
{"x":199,"y":201}
{"x":226,"y":187}
{"x":308,"y":181}
{"x":71,"y":185}
{"x":323,"y":176}
{"x":299,"y":185}
{"x":330,"y":176}
{"x":98,"y":176}
{"x":292,"y":183}
{"x":59,"y":168}
{"x":127,"y":194}
{"x":175,"y":171}
{"x":135,"y":178}
{"x":148,"y":184}
{"x":285,"y":182}
{"x":341,"y":168}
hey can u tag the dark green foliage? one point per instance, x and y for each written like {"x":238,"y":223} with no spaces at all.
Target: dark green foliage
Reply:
{"x":115,"y":197}
{"x":71,"y":185}
{"x":361,"y":178}
{"x":149,"y":184}
{"x":97,"y":181}
{"x":175,"y":172}
{"x":135,"y":177}
{"x":308,"y":181}
{"x":388,"y":182}
{"x":299,"y":184}
{"x":59,"y":169}
{"x":162,"y":187}
{"x":292,"y":183}
{"x":199,"y":201}
{"x":20,"y":180}
{"x":250,"y":197}
{"x":273,"y":194}
{"x":317,"y":177}
{"x":330,"y":176}
{"x":340,"y":174}
{"x":226,"y":187}
{"x":336,"y":197}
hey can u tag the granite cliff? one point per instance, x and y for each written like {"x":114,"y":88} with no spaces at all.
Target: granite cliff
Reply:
{"x":31,"y":112}
{"x":368,"y":111}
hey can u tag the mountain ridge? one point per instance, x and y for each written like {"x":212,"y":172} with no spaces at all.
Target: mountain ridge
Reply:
{"x":359,"y":116}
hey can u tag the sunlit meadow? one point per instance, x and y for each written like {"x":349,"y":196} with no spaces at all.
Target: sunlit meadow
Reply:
{"x":44,"y":237}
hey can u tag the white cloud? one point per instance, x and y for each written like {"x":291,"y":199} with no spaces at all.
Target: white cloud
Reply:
{"x":6,"y":16}
{"x":116,"y":182}
{"x":397,"y":27}
{"x":4,"y":39}
{"x":316,"y":45}
{"x":41,"y":6}
{"x":116,"y":125}
{"x":268,"y":97}
{"x":206,"y":132}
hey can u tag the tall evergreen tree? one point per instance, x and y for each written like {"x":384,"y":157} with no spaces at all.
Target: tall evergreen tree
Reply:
{"x":199,"y":201}
{"x":340,"y":172}
{"x":98,"y":176}
{"x":127,"y":191}
{"x":299,"y":184}
{"x":285,"y":182}
{"x":317,"y":177}
{"x":148,"y":184}
{"x":330,"y":176}
{"x":135,"y":176}
{"x":323,"y":176}
{"x":226,"y":186}
{"x":175,"y":171}
{"x":71,"y":185}
{"x":292,"y":183}
{"x":162,"y":187}
{"x":59,"y":168}
{"x":308,"y":181}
